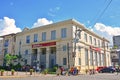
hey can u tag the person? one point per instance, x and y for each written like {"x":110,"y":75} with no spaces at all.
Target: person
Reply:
{"x":58,"y":71}
{"x":34,"y":68}
{"x":62,"y":70}
{"x":38,"y":69}
{"x":117,"y":70}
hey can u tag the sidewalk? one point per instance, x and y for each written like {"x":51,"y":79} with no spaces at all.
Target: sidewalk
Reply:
{"x":7,"y":74}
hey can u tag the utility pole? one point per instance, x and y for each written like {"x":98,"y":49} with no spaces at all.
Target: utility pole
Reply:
{"x":68,"y":55}
{"x":76,"y":39}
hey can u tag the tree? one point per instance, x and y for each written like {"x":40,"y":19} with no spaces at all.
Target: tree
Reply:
{"x":115,"y":47}
{"x":9,"y":58}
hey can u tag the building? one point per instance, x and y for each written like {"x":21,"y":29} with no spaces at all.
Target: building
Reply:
{"x":1,"y":50}
{"x":116,"y":41}
{"x":7,"y":45}
{"x":115,"y":53}
{"x":67,"y":43}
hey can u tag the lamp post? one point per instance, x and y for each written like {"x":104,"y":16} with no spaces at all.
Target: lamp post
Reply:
{"x":76,"y":39}
{"x":68,"y":63}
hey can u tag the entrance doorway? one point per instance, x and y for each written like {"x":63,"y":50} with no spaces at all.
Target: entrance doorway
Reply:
{"x":52,"y":57}
{"x":34,"y":57}
{"x":43,"y":58}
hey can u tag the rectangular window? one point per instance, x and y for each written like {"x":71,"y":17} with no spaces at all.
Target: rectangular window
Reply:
{"x":95,"y":41}
{"x":85,"y":37}
{"x":90,"y":39}
{"x":91,"y":58}
{"x":63,"y":33}
{"x":26,"y":52}
{"x":79,"y":60}
{"x":6,"y":43}
{"x":27,"y":39}
{"x":6,"y":51}
{"x":100,"y":59}
{"x":43,"y":36}
{"x":96,"y":61}
{"x":35,"y":37}
{"x":64,"y":48}
{"x":53,"y":35}
{"x":86,"y":56}
{"x":79,"y":48}
{"x":64,"y":61}
{"x":79,"y":33}
{"x":98,"y":43}
{"x":107,"y":45}
{"x":103,"y":44}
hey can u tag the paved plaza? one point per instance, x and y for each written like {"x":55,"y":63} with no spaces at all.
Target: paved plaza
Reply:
{"x":102,"y":76}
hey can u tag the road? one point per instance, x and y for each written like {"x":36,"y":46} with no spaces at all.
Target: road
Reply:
{"x":102,"y":76}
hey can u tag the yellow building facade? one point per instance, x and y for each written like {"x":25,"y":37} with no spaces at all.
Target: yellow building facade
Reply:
{"x":66,"y":43}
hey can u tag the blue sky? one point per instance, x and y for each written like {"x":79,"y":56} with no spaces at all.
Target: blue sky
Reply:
{"x":17,"y":14}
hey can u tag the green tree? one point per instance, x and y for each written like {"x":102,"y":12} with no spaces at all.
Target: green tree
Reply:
{"x":115,"y":47}
{"x":9,"y":58}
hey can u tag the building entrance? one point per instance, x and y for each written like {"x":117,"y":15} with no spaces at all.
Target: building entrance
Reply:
{"x":34,"y":57}
{"x":43,"y":58}
{"x":52,"y":57}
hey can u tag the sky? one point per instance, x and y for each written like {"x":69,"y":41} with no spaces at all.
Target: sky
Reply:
{"x":15,"y":15}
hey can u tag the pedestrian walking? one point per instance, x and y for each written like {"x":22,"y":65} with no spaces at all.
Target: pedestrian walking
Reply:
{"x":117,"y":70}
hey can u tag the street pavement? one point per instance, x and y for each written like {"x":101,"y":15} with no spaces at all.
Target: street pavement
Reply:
{"x":102,"y":76}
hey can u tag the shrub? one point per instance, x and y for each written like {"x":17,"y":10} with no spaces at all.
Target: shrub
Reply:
{"x":2,"y":70}
{"x":12,"y":70}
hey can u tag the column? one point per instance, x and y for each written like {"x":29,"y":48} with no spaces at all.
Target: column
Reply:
{"x":47,"y":57}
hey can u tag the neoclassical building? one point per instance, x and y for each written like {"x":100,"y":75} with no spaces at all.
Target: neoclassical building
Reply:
{"x":67,"y":43}
{"x":7,"y":46}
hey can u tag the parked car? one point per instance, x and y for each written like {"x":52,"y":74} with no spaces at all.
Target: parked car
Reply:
{"x":99,"y":68}
{"x":107,"y":70}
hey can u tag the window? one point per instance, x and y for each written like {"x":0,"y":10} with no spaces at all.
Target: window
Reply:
{"x":6,"y":51}
{"x":35,"y":37}
{"x":103,"y":44}
{"x":79,"y":48}
{"x":98,"y":43}
{"x":63,"y":33}
{"x":96,"y":61}
{"x":90,"y":39}
{"x":27,"y":39}
{"x":6,"y":43}
{"x":107,"y":45}
{"x":79,"y":60}
{"x":26,"y":52}
{"x":53,"y":35}
{"x":64,"y":61}
{"x":99,"y":59}
{"x":20,"y":43}
{"x":64,"y":48}
{"x":94,"y":41}
{"x":86,"y":56}
{"x":91,"y":57}
{"x":85,"y":37}
{"x":43,"y":36}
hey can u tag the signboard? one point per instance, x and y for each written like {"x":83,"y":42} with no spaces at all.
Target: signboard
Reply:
{"x":95,"y":48}
{"x":43,"y":44}
{"x":115,"y":60}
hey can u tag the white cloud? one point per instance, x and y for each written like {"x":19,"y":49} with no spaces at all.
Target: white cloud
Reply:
{"x":8,"y":26}
{"x":108,"y":29}
{"x":42,"y":21}
{"x":52,"y":11}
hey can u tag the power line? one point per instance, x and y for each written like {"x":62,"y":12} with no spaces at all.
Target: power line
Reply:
{"x":102,"y":12}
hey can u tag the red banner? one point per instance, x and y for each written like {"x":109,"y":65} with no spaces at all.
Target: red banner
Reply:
{"x":95,"y":48}
{"x":43,"y":44}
